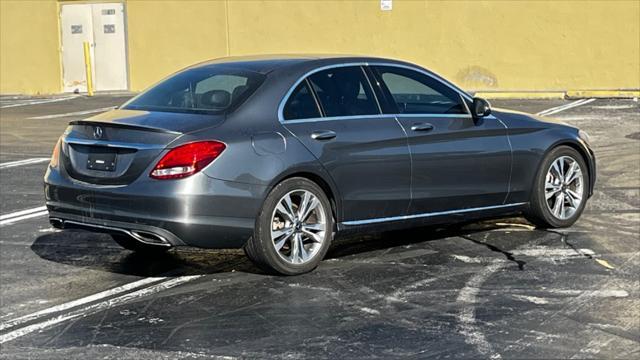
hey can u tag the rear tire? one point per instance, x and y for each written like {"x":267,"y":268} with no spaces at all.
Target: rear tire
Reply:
{"x":293,"y":230}
{"x":132,"y":244}
{"x":560,"y":189}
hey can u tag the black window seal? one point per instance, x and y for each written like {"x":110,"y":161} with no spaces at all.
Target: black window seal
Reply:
{"x":315,"y":97}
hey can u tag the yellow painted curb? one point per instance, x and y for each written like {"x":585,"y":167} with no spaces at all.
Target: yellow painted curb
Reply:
{"x":603,"y":93}
{"x":521,"y":95}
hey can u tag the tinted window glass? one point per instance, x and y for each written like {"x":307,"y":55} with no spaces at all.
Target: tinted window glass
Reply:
{"x":301,"y":104}
{"x":208,"y":90}
{"x":416,"y":93}
{"x":344,"y":91}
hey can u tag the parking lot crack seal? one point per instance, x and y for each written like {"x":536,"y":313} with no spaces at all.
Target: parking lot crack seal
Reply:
{"x":494,"y":248}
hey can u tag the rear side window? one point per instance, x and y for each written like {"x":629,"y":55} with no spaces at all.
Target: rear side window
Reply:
{"x":344,"y":91}
{"x":199,"y":90}
{"x":301,"y":104}
{"x":416,"y":93}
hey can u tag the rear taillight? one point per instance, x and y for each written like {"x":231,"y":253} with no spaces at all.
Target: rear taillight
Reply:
{"x":186,"y":160}
{"x":55,"y":156}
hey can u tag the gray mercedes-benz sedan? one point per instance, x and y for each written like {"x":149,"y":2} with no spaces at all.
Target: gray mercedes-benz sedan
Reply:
{"x":278,"y":154}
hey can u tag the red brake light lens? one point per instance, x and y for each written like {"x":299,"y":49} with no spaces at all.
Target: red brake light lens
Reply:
{"x":186,"y":160}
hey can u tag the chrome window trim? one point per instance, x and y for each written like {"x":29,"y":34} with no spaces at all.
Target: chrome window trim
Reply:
{"x":332,"y":118}
{"x":431,"y":214}
{"x":362,"y":64}
{"x":464,"y":116}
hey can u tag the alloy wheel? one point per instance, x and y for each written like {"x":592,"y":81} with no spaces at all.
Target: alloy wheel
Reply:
{"x":298,"y":226}
{"x":563,"y":187}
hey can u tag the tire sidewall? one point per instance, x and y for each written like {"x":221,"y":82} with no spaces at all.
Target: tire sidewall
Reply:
{"x":539,"y":200}
{"x":262,"y":230}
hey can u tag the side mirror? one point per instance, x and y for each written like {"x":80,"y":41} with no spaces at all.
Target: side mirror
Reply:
{"x":480,"y":107}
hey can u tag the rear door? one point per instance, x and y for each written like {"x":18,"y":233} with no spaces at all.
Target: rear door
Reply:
{"x":458,"y":162}
{"x":335,"y":114}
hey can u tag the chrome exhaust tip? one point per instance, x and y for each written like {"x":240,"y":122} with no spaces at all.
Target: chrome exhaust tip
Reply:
{"x":149,"y":238}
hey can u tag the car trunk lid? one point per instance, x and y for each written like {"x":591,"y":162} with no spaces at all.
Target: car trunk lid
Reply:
{"x":116,"y":147}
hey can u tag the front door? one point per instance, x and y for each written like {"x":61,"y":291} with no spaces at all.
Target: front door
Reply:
{"x":365,"y":153}
{"x":102,"y":26}
{"x":457,"y":162}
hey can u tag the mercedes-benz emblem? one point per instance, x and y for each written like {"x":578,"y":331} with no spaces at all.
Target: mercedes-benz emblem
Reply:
{"x":97,"y":132}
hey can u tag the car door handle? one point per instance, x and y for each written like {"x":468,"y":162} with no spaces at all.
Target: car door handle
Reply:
{"x":422,"y":127}
{"x":323,"y":135}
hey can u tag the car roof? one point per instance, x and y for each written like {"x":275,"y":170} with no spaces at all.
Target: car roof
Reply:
{"x":267,"y":63}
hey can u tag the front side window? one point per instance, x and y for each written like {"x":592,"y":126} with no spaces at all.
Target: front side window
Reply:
{"x":344,"y":91}
{"x":301,"y":104}
{"x":416,"y":93}
{"x":199,"y":90}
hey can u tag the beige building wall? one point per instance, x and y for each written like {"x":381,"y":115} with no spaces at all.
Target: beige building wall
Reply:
{"x":481,"y":45}
{"x":29,"y":47}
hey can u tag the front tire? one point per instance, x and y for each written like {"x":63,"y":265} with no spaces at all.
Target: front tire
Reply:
{"x":560,"y":190}
{"x":293,"y":230}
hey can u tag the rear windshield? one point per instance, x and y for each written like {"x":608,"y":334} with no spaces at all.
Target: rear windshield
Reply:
{"x":202,"y":90}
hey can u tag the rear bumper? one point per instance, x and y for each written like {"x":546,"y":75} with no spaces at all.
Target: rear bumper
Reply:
{"x":197,"y":211}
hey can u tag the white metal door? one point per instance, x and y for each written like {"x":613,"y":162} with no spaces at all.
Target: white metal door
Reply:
{"x":102,"y":25}
{"x":110,"y":55}
{"x":77,"y":27}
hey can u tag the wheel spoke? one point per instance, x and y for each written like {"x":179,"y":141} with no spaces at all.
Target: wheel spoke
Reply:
{"x":278,"y":245}
{"x":314,"y":227}
{"x":313,"y":236}
{"x":558,"y":205}
{"x":286,"y":208}
{"x":574,"y":198}
{"x":576,"y":175}
{"x":550,"y":193}
{"x":303,"y":255}
{"x":294,"y":249}
{"x":304,"y":203}
{"x":556,"y":167}
{"x":550,"y":189}
{"x":570,"y":172}
{"x":574,"y":194}
{"x":311,"y":205}
{"x":275,"y":234}
{"x":572,"y":202}
{"x":289,"y":205}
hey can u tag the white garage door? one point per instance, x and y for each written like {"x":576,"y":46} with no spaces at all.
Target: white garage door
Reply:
{"x":102,"y":25}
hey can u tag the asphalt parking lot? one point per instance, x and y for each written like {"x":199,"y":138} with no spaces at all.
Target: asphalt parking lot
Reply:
{"x":493,"y":289}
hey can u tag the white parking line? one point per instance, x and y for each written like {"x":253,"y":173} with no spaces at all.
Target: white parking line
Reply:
{"x":22,"y":212}
{"x":23,"y":162}
{"x":103,"y":305}
{"x":85,"y":112}
{"x":36,"y":102}
{"x":22,"y":215}
{"x":571,"y":105}
{"x":78,"y":302}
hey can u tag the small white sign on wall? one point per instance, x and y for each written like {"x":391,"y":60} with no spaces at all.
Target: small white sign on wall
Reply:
{"x":386,"y":5}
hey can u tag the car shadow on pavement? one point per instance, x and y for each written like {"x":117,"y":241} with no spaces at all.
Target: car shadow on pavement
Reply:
{"x":99,"y":252}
